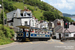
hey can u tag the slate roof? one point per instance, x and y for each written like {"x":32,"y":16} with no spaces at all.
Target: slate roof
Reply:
{"x":10,"y":14}
{"x":71,"y":28}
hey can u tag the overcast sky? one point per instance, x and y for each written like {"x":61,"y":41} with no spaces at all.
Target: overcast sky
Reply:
{"x":65,"y":6}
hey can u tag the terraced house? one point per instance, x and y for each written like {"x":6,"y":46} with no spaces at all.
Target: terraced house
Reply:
{"x":24,"y":18}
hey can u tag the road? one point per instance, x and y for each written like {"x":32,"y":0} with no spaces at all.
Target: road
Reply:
{"x":41,"y":45}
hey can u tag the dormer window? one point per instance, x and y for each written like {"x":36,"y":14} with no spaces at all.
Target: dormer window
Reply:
{"x":21,"y":14}
{"x":28,"y":14}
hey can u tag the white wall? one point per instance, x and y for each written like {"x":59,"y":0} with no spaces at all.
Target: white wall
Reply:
{"x":18,"y":13}
{"x":57,"y":35}
{"x":25,"y":12}
{"x":30,"y":21}
{"x":71,"y":35}
{"x":25,"y":19}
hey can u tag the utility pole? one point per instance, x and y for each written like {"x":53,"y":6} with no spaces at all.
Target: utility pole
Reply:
{"x":3,"y":11}
{"x":3,"y":14}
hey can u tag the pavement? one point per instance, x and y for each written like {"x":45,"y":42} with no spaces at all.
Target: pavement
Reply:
{"x":40,"y":45}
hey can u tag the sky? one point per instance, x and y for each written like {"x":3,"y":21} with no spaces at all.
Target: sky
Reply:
{"x":65,"y":6}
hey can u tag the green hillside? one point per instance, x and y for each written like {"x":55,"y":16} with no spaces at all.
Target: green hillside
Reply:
{"x":37,"y":13}
{"x":41,"y":10}
{"x":36,"y":6}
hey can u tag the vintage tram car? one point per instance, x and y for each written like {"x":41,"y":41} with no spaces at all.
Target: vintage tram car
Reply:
{"x":27,"y":33}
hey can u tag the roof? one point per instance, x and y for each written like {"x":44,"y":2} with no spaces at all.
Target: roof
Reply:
{"x":32,"y":16}
{"x":28,"y":27}
{"x":71,"y":28}
{"x":10,"y":14}
{"x":25,"y":10}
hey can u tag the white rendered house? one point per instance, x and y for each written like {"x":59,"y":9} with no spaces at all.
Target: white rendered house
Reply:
{"x":23,"y":18}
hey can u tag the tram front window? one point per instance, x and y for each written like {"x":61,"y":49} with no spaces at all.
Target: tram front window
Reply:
{"x":20,"y":30}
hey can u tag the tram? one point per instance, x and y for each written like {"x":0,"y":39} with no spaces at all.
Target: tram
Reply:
{"x":27,"y":32}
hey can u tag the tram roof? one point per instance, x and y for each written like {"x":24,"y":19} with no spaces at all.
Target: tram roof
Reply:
{"x":28,"y":27}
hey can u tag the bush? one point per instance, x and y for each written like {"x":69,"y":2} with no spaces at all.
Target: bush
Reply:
{"x":5,"y":35}
{"x":30,"y":9}
{"x":1,"y":34}
{"x":5,"y":41}
{"x":7,"y":32}
{"x":1,"y":26}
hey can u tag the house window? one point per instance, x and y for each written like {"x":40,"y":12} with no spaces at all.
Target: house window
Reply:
{"x":26,"y":23}
{"x":66,"y":35}
{"x":21,"y":14}
{"x":11,"y":24}
{"x":28,"y":14}
{"x":24,"y":14}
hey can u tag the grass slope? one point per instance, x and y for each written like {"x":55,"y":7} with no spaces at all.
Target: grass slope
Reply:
{"x":6,"y":35}
{"x":5,"y":41}
{"x":37,"y":13}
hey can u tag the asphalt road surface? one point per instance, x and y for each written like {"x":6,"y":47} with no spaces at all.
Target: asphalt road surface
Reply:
{"x":40,"y":45}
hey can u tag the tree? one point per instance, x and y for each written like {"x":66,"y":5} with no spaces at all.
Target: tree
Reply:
{"x":67,"y":19}
{"x":48,"y":15}
{"x":9,"y":7}
{"x":1,"y":21}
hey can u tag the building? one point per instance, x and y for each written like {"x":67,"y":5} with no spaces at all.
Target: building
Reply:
{"x":58,"y":28}
{"x":10,"y":17}
{"x":25,"y":18}
{"x":20,"y":17}
{"x":44,"y":24}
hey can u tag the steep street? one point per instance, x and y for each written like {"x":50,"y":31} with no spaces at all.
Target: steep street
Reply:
{"x":41,"y":45}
